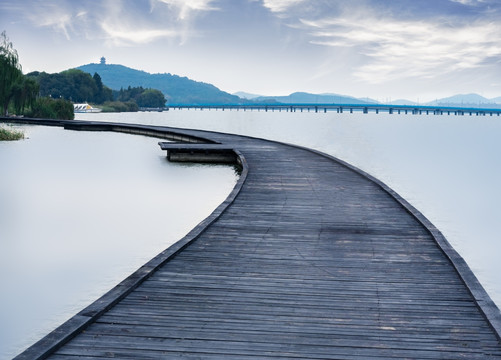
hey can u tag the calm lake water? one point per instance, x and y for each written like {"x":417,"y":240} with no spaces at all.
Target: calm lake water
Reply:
{"x":79,"y":212}
{"x":446,"y":166}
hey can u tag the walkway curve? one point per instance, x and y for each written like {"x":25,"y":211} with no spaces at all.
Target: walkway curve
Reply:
{"x":307,"y":258}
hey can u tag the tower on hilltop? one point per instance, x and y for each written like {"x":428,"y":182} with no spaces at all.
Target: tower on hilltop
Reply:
{"x":103,"y":61}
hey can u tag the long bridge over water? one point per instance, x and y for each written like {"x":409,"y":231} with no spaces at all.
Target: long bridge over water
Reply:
{"x":343,"y":108}
{"x":308,"y":258}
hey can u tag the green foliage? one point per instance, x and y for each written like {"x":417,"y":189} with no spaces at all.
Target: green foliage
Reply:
{"x":120,"y":106}
{"x":25,"y":92}
{"x":74,"y":85}
{"x":103,"y":93}
{"x":177,"y":90}
{"x":142,"y":97}
{"x":151,"y":98}
{"x":48,"y":108}
{"x":10,"y":72}
{"x":8,"y":135}
{"x":21,"y":92}
{"x":131,"y":93}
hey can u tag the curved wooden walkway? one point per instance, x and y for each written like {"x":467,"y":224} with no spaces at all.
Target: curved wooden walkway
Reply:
{"x":307,"y":259}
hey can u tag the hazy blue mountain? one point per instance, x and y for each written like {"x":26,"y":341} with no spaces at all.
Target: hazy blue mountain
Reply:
{"x":307,"y":98}
{"x":177,"y":90}
{"x":466,"y":99}
{"x":364,"y":100}
{"x":403,"y":102}
{"x":246,"y":95}
{"x":497,"y":100}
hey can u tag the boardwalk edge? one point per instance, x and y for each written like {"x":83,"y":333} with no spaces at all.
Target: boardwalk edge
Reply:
{"x":484,"y":302}
{"x":65,"y":332}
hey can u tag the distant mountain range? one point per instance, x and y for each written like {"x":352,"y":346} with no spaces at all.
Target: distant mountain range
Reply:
{"x":467,"y":100}
{"x":177,"y":90}
{"x":462,"y":100}
{"x":245,"y":95}
{"x":182,"y":90}
{"x":307,"y":98}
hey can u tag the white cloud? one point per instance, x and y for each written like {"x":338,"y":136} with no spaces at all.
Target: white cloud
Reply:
{"x":186,"y":7}
{"x":124,"y":36}
{"x":55,"y":16}
{"x":396,"y":49}
{"x":278,"y":6}
{"x":124,"y":25}
{"x":468,"y":2}
{"x":118,"y":22}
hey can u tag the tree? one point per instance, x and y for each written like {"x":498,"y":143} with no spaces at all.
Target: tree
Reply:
{"x":10,"y":72}
{"x":74,"y":85}
{"x":98,"y":98}
{"x":103,"y":93}
{"x":25,"y":92}
{"x":82,"y":87}
{"x":151,"y":98}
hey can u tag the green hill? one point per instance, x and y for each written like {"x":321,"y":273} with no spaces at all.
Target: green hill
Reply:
{"x":177,"y":90}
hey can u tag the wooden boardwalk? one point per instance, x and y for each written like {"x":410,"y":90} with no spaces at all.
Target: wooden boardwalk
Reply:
{"x":307,"y":259}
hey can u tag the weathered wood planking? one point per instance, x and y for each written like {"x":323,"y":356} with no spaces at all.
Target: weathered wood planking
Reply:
{"x":309,"y":260}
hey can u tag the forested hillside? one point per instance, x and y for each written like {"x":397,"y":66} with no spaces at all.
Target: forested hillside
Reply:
{"x":177,"y":90}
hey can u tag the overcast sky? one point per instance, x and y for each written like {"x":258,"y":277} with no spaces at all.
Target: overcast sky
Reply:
{"x":384,"y":49}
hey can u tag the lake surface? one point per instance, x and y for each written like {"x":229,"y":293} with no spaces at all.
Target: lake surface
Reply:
{"x":448,"y":167}
{"x":79,"y":212}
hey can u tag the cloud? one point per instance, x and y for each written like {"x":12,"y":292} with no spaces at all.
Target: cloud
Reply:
{"x":185,"y":8}
{"x":124,"y":36}
{"x":278,"y":6}
{"x":125,"y":23}
{"x":118,"y":22}
{"x":164,"y":19}
{"x":469,"y":2}
{"x":58,"y":17}
{"x":404,"y":48}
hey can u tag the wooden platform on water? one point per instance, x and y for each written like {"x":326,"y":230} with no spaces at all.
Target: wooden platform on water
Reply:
{"x":308,"y":258}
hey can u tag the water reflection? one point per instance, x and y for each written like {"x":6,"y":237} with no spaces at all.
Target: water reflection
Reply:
{"x":79,"y":212}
